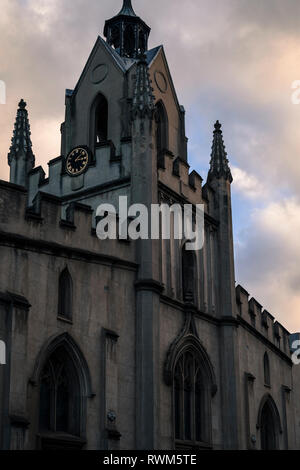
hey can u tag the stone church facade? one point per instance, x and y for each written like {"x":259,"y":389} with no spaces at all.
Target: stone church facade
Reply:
{"x":122,"y":344}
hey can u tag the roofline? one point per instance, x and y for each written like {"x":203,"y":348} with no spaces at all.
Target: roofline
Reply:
{"x":162,"y":50}
{"x":107,"y":48}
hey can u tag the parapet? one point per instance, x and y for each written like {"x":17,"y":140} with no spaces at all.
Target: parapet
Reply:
{"x":175,"y":174}
{"x":42,"y":227}
{"x":253,"y":313}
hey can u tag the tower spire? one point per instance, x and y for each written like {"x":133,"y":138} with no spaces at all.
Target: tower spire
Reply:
{"x":20,"y":157}
{"x":143,"y":99}
{"x":127,"y":8}
{"x":219,"y":163}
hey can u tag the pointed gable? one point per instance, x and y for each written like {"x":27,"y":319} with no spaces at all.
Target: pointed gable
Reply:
{"x":101,"y":53}
{"x":164,"y":91}
{"x":103,"y":74}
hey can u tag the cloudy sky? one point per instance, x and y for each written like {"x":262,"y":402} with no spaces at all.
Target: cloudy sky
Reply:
{"x":232,"y":60}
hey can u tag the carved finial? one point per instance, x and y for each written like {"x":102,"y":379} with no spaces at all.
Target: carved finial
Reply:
{"x":127,"y":9}
{"x":218,"y":126}
{"x":219,"y":163}
{"x":22,"y":104}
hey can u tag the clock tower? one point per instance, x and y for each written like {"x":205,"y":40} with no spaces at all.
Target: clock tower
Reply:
{"x":97,"y":160}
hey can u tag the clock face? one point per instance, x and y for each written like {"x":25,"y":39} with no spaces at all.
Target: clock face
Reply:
{"x":77,"y":161}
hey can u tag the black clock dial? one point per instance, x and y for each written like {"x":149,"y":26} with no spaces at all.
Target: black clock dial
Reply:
{"x":77,"y":161}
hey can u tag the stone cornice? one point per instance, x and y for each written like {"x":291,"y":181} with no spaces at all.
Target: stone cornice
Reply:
{"x":111,"y":334}
{"x":12,"y":186}
{"x":149,"y":285}
{"x":22,"y":242}
{"x":19,"y":421}
{"x":16,"y":300}
{"x":186,"y":307}
{"x":96,"y":189}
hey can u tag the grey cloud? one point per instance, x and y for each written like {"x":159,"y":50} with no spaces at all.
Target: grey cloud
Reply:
{"x":273,"y":15}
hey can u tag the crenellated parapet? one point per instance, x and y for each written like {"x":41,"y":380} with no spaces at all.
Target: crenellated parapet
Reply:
{"x":249,"y":310}
{"x":175,"y":174}
{"x":42,"y":227}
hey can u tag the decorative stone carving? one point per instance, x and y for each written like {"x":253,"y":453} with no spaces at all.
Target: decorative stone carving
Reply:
{"x":111,"y":416}
{"x":99,"y":74}
{"x":161,"y":81}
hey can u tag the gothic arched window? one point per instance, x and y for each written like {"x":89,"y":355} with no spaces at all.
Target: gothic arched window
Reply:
{"x":101,"y":119}
{"x":63,"y":381}
{"x":161,"y":119}
{"x":98,"y":122}
{"x":115,"y":39}
{"x":269,"y":424}
{"x":192,"y":400}
{"x":59,"y":395}
{"x":189,"y":274}
{"x":268,"y":437}
{"x":142,"y":42}
{"x":65,"y":295}
{"x":129,"y":41}
{"x":267,"y":376}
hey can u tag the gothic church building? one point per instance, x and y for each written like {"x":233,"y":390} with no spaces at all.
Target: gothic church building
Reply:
{"x":122,"y":344}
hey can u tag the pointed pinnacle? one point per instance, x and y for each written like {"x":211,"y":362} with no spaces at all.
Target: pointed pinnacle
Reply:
{"x":218,"y":127}
{"x":21,"y":140}
{"x":219,"y":163}
{"x":22,"y":104}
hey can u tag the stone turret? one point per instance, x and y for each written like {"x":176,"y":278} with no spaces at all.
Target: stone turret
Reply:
{"x":20,"y":157}
{"x":220,"y":179}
